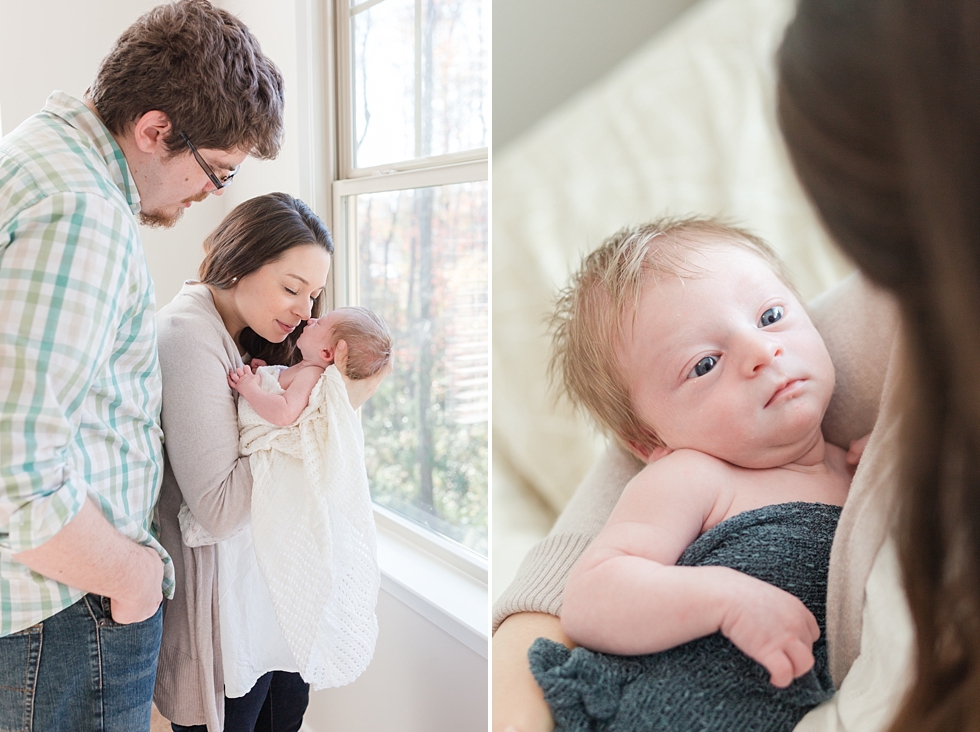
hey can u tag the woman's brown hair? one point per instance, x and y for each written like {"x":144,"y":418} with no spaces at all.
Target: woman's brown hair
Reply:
{"x":255,"y":233}
{"x":202,"y":67}
{"x":879,"y":102}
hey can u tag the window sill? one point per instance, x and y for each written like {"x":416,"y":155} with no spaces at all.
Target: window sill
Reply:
{"x":448,"y":596}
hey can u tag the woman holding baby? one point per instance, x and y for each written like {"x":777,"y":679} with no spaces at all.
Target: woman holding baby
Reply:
{"x":263,"y":276}
{"x":878,"y":103}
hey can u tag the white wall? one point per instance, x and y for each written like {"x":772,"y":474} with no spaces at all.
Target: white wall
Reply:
{"x":421,"y":678}
{"x":544,"y":51}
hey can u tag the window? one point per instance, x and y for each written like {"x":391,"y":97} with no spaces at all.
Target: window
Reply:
{"x":410,"y":219}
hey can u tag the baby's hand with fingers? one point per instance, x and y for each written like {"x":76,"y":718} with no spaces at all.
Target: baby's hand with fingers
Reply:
{"x":240,"y":378}
{"x":774,"y":628}
{"x":256,"y":363}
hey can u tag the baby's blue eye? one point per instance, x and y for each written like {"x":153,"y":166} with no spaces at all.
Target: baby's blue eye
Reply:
{"x":771,"y":316}
{"x":703,"y":366}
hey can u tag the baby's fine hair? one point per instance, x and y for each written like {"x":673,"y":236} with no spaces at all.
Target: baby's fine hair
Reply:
{"x":368,"y":341}
{"x":590,"y":318}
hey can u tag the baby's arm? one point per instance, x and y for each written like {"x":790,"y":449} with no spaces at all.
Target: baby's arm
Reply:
{"x":626,"y":595}
{"x":279,"y":409}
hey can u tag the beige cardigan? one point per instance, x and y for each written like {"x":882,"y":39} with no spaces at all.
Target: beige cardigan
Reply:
{"x":859,"y":325}
{"x":202,"y":468}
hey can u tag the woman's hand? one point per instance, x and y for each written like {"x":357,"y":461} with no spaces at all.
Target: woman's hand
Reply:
{"x":518,"y":702}
{"x":358,"y":390}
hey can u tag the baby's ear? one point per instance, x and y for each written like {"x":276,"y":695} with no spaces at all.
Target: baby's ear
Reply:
{"x":328,"y":353}
{"x":648,"y":454}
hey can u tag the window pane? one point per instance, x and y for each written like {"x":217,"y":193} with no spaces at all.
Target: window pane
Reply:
{"x":423,"y":266}
{"x":419,"y":88}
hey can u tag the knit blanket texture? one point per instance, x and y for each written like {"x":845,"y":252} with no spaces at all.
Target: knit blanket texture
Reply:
{"x":313,"y":537}
{"x":708,"y":684}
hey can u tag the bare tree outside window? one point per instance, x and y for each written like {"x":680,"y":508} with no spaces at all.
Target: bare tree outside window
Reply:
{"x":419,"y":92}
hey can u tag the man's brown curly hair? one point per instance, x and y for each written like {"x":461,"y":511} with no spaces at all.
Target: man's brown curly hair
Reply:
{"x":200,"y":66}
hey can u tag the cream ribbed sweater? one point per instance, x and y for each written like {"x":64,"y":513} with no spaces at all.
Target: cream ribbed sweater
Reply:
{"x":203,"y":468}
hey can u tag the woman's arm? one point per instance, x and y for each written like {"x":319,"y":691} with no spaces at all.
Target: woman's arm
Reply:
{"x":530,"y":606}
{"x":200,"y":419}
{"x":517,"y":699}
{"x":538,"y":586}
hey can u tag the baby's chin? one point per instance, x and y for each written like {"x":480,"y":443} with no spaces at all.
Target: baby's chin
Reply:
{"x":777,"y":453}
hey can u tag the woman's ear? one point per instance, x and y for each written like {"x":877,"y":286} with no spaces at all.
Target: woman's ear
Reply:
{"x":648,"y":454}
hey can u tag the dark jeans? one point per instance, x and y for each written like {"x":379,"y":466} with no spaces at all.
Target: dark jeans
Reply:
{"x":276,"y":703}
{"x":79,"y":671}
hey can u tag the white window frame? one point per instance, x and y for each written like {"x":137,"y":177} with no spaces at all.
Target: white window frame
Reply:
{"x":442,"y":580}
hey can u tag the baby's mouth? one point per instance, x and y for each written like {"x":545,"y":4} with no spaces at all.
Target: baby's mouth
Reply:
{"x":787,"y":389}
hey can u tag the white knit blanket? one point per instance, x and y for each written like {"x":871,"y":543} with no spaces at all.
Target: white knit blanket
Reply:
{"x":313,"y":531}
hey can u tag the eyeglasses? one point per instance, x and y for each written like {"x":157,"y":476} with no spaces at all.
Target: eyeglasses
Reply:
{"x":219,"y":183}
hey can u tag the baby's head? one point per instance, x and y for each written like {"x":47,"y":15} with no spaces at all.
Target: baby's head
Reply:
{"x":366,"y":334}
{"x":686,"y":333}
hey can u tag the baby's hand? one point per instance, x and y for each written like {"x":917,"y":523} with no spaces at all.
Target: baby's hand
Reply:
{"x":774,"y":628}
{"x":857,"y":450}
{"x":240,"y":378}
{"x":256,"y":363}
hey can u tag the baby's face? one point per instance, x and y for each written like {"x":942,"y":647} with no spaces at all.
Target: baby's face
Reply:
{"x":317,"y":335}
{"x":728,"y":363}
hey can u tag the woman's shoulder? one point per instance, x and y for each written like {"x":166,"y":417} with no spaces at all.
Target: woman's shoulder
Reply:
{"x":192,"y":303}
{"x":191,"y":322}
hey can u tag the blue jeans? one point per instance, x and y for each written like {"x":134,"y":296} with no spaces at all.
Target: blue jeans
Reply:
{"x":276,"y":703}
{"x":78,"y":671}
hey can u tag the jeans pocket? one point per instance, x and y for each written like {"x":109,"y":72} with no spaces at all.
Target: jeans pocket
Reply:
{"x":106,"y":619}
{"x":20,"y":655}
{"x":103,"y":615}
{"x":100,"y":609}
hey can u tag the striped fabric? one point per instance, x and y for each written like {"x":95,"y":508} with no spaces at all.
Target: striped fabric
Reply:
{"x":79,"y":378}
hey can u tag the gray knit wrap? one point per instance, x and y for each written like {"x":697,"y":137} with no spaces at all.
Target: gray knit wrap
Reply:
{"x":707,"y":684}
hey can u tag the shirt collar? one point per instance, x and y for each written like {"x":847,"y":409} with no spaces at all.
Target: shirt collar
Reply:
{"x":74,"y":112}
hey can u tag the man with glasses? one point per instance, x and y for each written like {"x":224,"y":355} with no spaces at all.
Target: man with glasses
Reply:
{"x":82,"y":575}
{"x":219,"y":182}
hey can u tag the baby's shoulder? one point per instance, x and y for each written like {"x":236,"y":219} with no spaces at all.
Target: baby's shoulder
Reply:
{"x":689,"y":463}
{"x":694,"y":472}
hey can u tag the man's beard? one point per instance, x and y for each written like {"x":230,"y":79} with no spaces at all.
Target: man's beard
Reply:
{"x":160,"y":220}
{"x":156,"y":220}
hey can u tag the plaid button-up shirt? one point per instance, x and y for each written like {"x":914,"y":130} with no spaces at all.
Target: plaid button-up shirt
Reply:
{"x":79,"y":378}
